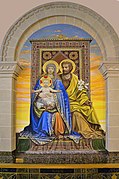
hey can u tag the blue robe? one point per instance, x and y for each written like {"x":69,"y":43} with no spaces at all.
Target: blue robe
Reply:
{"x":40,"y":129}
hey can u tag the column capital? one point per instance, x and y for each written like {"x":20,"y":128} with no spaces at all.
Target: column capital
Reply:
{"x":10,"y":69}
{"x":109,"y":69}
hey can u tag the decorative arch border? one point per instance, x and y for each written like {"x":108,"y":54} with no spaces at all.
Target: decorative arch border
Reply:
{"x":82,"y":16}
{"x":55,"y":13}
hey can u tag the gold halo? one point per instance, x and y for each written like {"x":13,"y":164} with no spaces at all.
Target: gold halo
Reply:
{"x":48,"y":78}
{"x":51,"y":62}
{"x":68,"y":60}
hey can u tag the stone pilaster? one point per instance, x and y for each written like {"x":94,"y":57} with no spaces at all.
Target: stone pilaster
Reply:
{"x":8,"y":75}
{"x":110,"y":71}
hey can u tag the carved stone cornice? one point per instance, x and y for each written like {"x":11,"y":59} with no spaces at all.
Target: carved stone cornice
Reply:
{"x":109,"y":69}
{"x":10,"y":68}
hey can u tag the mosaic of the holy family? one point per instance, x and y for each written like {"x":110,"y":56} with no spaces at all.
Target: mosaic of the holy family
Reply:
{"x":60,"y":105}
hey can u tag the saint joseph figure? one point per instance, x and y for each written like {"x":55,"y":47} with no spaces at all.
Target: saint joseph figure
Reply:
{"x":84,"y":119}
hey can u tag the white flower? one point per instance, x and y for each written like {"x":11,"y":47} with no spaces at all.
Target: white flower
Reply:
{"x":80,"y":88}
{"x":86,"y":85}
{"x":81,"y":82}
{"x":82,"y":85}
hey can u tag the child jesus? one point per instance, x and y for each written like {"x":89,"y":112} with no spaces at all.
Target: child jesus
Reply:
{"x":46,"y":97}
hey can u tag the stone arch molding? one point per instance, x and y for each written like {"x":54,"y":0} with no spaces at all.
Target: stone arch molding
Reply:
{"x":61,"y":12}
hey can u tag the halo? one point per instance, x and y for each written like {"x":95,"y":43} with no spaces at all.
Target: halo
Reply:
{"x":50,"y":62}
{"x":46,"y":78}
{"x":68,"y":60}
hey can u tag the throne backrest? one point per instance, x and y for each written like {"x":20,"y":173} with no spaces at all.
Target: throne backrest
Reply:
{"x":77,"y":50}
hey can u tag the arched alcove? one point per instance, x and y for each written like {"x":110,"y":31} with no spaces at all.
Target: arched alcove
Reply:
{"x":56,"y":13}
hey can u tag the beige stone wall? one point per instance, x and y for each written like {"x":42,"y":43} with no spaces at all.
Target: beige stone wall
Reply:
{"x":8,"y":77}
{"x":71,"y":13}
{"x":110,"y":71}
{"x":13,"y":10}
{"x":37,"y":18}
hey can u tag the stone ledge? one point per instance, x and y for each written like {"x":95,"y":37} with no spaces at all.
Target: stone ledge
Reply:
{"x":109,"y":68}
{"x":80,"y":158}
{"x":10,"y":68}
{"x":7,"y":157}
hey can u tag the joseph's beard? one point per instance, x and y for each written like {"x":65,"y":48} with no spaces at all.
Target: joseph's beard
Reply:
{"x":66,"y":73}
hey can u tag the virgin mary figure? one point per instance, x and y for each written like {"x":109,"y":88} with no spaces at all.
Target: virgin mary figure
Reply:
{"x":48,"y":124}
